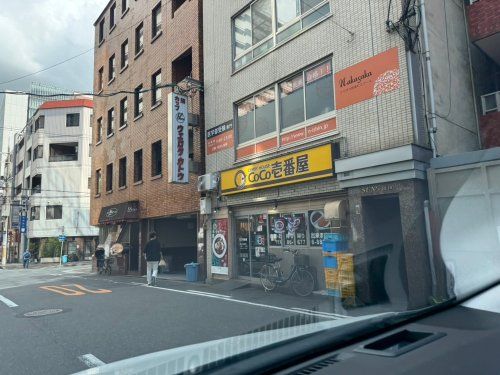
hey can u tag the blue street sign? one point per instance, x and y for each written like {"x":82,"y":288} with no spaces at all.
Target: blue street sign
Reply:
{"x":23,"y":223}
{"x":62,"y":238}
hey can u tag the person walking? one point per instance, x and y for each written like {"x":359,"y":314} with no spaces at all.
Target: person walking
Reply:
{"x":26,"y":258}
{"x":152,"y":251}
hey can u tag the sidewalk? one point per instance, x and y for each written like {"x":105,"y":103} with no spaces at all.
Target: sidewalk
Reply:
{"x":15,"y":266}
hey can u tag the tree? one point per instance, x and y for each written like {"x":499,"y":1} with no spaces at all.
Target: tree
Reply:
{"x":50,"y":248}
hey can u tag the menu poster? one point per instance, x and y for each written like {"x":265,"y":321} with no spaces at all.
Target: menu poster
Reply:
{"x":319,"y":225}
{"x":220,"y":264}
{"x":277,"y":226}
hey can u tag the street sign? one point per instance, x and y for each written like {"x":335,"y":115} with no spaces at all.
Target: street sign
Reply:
{"x":62,"y":238}
{"x":23,"y":223}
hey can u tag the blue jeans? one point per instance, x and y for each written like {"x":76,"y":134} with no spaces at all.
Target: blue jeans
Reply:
{"x":26,"y":263}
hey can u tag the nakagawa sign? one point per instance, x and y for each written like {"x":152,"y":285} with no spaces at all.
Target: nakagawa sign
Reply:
{"x":178,"y":139}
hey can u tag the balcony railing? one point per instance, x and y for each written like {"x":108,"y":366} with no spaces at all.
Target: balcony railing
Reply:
{"x":67,"y":157}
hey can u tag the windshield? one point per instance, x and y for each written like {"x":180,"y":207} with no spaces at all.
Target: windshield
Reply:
{"x":180,"y":172}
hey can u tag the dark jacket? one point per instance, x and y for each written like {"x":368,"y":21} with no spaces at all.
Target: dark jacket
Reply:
{"x":153,"y":251}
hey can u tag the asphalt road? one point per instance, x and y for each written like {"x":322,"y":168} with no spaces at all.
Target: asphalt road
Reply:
{"x":94,"y":318}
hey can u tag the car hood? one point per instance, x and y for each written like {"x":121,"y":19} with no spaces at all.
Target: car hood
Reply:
{"x":185,"y":358}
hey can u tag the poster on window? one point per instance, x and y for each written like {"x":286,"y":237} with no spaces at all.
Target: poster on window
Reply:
{"x":318,"y":226}
{"x":219,"y":247}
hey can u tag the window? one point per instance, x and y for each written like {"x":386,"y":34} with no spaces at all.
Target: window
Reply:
{"x":89,"y":183}
{"x":155,"y":89}
{"x":111,"y":68}
{"x":256,"y":116}
{"x":72,"y":119}
{"x":111,"y":121}
{"x":302,"y":97}
{"x":35,"y":213}
{"x":122,"y":172}
{"x":28,"y":155}
{"x":39,"y":123}
{"x":156,"y":159}
{"x":109,"y":177}
{"x":53,"y":212}
{"x":19,"y":167}
{"x":98,"y":181}
{"x":138,"y":101}
{"x":156,"y":21}
{"x":112,"y":12}
{"x":36,"y":184}
{"x":90,"y":149}
{"x":124,"y":54}
{"x":139,"y":38}
{"x":124,"y":6}
{"x":19,"y":189}
{"x":138,"y":166}
{"x":256,"y":27}
{"x":287,"y":229}
{"x":99,"y":130}
{"x":176,"y":5}
{"x":123,"y":112}
{"x":100,"y":79}
{"x":38,"y":152}
{"x":101,"y":31}
{"x":63,"y":152}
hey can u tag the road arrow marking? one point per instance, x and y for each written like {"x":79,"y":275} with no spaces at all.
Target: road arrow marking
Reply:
{"x":7,"y":301}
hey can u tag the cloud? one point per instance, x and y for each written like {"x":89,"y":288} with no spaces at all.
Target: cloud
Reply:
{"x":35,"y":34}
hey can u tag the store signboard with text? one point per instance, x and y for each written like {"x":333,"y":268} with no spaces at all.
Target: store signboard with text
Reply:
{"x":306,"y":165}
{"x":178,"y":140}
{"x":220,"y":263}
{"x":220,"y":138}
{"x":375,"y":76}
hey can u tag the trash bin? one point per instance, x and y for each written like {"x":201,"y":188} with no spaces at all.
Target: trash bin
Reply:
{"x":65,"y":259}
{"x":192,"y":271}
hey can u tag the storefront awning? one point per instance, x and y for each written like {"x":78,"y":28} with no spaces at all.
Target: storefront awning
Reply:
{"x":336,"y":210}
{"x":119,"y":212}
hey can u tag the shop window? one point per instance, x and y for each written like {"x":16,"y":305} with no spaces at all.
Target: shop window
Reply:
{"x":72,"y":119}
{"x":156,"y":159}
{"x":109,"y":177}
{"x":35,"y":213}
{"x":53,"y":212}
{"x":138,"y":166}
{"x":287,"y":229}
{"x":122,"y":172}
{"x":258,"y":26}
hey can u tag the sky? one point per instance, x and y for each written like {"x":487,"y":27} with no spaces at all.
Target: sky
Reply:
{"x":35,"y":34}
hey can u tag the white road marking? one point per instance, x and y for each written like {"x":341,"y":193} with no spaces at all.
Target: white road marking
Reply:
{"x":209,"y":294}
{"x":91,"y":360}
{"x":321,"y":313}
{"x":240,"y":301}
{"x":7,"y":301}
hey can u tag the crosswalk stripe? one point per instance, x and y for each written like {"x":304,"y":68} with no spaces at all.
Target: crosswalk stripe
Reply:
{"x":7,"y":301}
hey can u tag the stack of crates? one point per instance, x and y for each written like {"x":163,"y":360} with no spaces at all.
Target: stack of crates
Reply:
{"x":333,"y":245}
{"x":345,"y":275}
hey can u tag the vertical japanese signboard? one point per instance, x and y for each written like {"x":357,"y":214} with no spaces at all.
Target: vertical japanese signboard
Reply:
{"x":178,"y":141}
{"x":219,"y":247}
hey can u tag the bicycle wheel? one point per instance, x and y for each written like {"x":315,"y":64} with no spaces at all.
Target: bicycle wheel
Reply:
{"x":302,"y":282}
{"x":268,"y":277}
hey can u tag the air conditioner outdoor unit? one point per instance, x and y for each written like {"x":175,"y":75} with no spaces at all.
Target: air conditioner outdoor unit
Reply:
{"x":207,"y":182}
{"x":205,"y":206}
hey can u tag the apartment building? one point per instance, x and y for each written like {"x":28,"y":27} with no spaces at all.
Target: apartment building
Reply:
{"x":143,"y":48}
{"x":51,"y":177}
{"x":319,"y":119}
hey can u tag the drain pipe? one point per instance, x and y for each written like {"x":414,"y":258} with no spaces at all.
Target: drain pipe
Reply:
{"x":430,"y":87}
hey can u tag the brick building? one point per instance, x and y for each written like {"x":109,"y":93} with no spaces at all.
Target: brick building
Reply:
{"x":140,"y":45}
{"x":319,"y":120}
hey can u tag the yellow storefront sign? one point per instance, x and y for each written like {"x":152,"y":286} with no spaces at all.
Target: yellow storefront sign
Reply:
{"x":301,"y":166}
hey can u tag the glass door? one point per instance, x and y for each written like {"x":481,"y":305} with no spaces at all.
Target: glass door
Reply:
{"x":251,"y":244}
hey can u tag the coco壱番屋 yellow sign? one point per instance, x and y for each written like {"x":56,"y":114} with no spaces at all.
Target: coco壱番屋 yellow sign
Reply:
{"x":305,"y":165}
